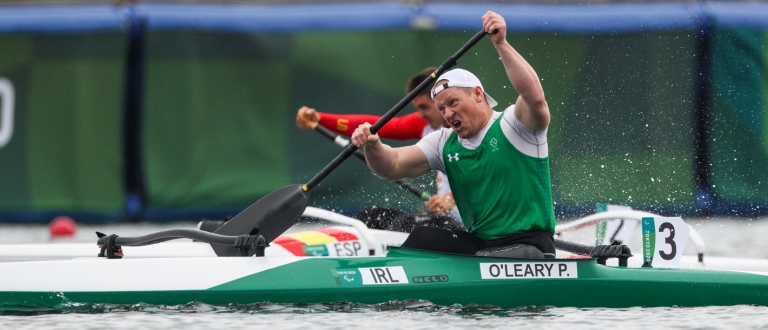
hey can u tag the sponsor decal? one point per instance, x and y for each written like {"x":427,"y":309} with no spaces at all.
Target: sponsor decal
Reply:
{"x":523,"y":270}
{"x":453,"y":157}
{"x":350,"y":276}
{"x":429,"y":279}
{"x":649,"y":240}
{"x":315,"y":250}
{"x":370,"y":276}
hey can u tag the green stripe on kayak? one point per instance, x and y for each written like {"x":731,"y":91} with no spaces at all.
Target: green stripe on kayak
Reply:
{"x":447,"y":280}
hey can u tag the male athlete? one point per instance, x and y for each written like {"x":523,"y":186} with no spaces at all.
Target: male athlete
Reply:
{"x":497,"y":162}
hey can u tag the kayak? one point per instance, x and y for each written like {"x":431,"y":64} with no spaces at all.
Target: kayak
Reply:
{"x":320,"y":270}
{"x":402,"y":275}
{"x":340,"y":235}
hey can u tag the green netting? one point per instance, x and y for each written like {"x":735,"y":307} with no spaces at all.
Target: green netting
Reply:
{"x":739,"y":100}
{"x":219,"y":116}
{"x":626,"y":135}
{"x":65,"y":154}
{"x":215,"y":131}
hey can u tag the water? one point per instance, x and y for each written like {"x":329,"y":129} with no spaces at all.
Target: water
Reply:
{"x":733,"y":237}
{"x":392,"y":316}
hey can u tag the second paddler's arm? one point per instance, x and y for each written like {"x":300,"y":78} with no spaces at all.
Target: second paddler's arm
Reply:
{"x":387,"y":162}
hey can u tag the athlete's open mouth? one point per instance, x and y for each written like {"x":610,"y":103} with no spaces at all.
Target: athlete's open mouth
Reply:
{"x":456,"y":124}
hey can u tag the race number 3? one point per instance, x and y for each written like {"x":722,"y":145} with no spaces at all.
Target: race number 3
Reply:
{"x":664,"y":241}
{"x":6,"y":111}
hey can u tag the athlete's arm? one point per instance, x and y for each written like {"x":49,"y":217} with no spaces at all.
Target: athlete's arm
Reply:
{"x":387,"y":162}
{"x":406,"y":127}
{"x":531,"y":107}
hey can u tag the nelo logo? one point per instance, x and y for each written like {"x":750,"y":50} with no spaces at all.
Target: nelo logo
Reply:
{"x":430,"y":279}
{"x":6,"y":111}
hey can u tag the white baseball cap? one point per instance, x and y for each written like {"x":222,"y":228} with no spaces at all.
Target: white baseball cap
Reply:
{"x":460,"y":78}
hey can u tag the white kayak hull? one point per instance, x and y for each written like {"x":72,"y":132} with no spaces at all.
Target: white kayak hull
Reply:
{"x":350,"y":239}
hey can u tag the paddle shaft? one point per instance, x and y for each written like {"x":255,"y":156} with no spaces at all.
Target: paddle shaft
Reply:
{"x":336,"y":138}
{"x":350,"y":149}
{"x":274,"y":213}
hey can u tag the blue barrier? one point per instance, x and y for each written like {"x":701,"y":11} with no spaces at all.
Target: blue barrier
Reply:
{"x":62,"y":19}
{"x":274,"y":18}
{"x":753,"y":15}
{"x":582,"y":19}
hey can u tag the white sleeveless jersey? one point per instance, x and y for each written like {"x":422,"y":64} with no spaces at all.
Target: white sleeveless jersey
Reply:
{"x":442,"y":180}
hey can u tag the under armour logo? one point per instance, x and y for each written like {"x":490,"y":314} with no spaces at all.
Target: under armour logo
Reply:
{"x":453,"y":157}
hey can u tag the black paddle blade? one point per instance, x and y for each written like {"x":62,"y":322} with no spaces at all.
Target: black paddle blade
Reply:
{"x":270,"y":216}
